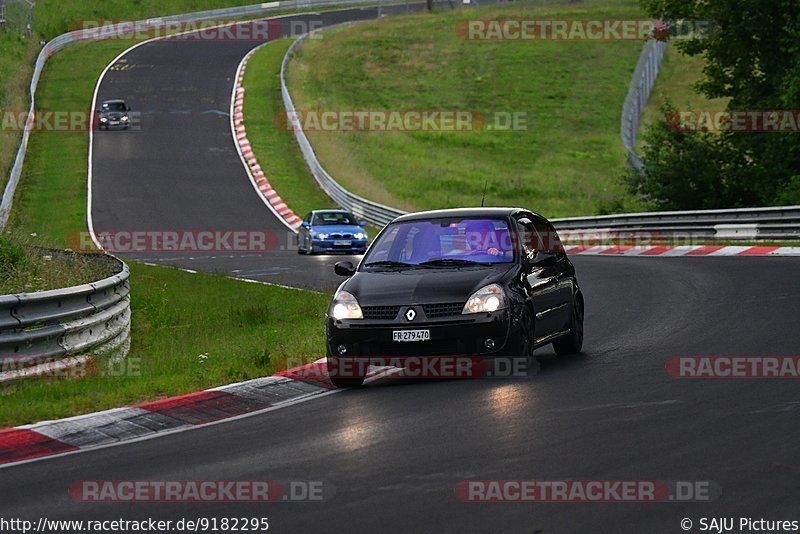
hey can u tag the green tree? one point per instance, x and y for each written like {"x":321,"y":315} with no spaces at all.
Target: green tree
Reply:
{"x":753,"y":59}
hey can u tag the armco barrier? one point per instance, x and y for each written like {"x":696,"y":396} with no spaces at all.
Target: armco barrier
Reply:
{"x":46,"y":326}
{"x":644,"y":78}
{"x":108,"y":31}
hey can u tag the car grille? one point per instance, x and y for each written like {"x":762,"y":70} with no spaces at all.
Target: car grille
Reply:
{"x":341,"y":236}
{"x":386,"y":313}
{"x":435,"y":311}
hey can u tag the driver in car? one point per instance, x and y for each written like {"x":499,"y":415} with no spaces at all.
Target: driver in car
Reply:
{"x":482,"y":238}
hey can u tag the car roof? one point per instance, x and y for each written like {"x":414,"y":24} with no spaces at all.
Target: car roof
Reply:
{"x":332,"y":211}
{"x":460,"y":212}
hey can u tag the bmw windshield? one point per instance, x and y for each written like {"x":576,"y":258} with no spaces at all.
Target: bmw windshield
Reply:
{"x":442,"y":243}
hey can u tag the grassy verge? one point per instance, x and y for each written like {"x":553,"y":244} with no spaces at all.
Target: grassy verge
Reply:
{"x":276,"y":148}
{"x":54,"y":174}
{"x":569,"y":160}
{"x":675,"y":83}
{"x":16,"y":64}
{"x":246,"y":330}
{"x":28,"y":269}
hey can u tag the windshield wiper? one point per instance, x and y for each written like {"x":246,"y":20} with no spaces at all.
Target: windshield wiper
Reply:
{"x":445,"y":262}
{"x":388,"y":263}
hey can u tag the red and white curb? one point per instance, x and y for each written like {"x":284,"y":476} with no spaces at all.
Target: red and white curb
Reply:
{"x":175,"y":414}
{"x":681,"y":250}
{"x":257,"y":177}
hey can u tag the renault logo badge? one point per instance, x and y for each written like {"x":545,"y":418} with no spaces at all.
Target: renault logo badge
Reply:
{"x":410,"y":314}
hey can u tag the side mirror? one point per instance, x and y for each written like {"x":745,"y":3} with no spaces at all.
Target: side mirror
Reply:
{"x":362,"y":223}
{"x":344,"y":268}
{"x":304,"y":224}
{"x":127,"y":108}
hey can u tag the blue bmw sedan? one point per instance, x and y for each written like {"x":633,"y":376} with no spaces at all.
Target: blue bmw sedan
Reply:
{"x":331,"y":231}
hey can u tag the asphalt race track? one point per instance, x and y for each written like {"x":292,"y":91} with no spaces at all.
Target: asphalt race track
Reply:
{"x":180,"y":171}
{"x":394,"y":451}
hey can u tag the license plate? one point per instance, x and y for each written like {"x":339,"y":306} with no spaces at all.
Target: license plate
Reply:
{"x":114,"y":123}
{"x":342,"y":243}
{"x":411,"y":335}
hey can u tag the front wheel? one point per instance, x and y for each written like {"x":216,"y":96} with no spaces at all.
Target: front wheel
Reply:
{"x":346,"y":376}
{"x":524,"y":347}
{"x":572,"y":343}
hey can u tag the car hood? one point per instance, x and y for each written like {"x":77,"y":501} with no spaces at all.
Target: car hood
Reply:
{"x":422,"y":286}
{"x":337,"y":229}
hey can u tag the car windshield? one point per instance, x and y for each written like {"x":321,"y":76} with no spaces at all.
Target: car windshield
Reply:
{"x":113,"y":106}
{"x":333,"y":218}
{"x":442,"y":243}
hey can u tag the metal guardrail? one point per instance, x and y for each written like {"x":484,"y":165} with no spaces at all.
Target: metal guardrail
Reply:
{"x":124,"y":28}
{"x":644,"y":78}
{"x":774,"y":223}
{"x":773,"y":215}
{"x":37,"y":328}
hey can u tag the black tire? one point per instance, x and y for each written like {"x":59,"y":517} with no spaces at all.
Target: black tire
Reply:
{"x":300,"y":249}
{"x":346,"y":382}
{"x":342,"y":381}
{"x":525,"y":345}
{"x":572,"y":343}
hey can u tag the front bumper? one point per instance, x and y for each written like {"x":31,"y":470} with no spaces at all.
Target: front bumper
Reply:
{"x":114,"y":125}
{"x":463,"y":335}
{"x":359,"y":246}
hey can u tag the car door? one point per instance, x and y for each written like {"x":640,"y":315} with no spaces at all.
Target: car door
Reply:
{"x":540,"y":279}
{"x":551,"y":254}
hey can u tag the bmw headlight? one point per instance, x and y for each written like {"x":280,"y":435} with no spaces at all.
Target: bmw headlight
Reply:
{"x":103,"y":119}
{"x":345,"y":306}
{"x":487,"y":299}
{"x":321,"y":236}
{"x":124,"y":118}
{"x":360,"y":236}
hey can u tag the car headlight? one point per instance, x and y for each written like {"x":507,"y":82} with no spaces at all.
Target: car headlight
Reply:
{"x":124,"y":118}
{"x":321,"y":236}
{"x":345,"y":306}
{"x":103,"y":119}
{"x":360,"y":236}
{"x":487,"y":299}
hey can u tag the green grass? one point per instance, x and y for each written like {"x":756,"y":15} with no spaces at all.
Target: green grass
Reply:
{"x":246,"y":330}
{"x":53,"y":17}
{"x":679,"y":73}
{"x":568,"y":162}
{"x":54,"y":174}
{"x":25,"y":269}
{"x":16,"y":64}
{"x":276,"y":148}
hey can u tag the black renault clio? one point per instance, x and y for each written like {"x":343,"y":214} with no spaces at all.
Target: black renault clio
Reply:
{"x":480,"y":282}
